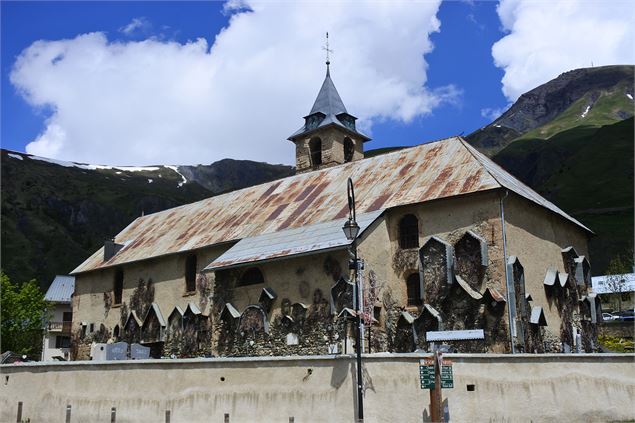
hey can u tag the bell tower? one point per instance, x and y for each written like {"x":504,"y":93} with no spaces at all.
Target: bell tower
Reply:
{"x":328,"y":136}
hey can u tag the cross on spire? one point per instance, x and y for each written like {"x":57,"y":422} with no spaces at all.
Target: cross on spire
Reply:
{"x":328,"y":50}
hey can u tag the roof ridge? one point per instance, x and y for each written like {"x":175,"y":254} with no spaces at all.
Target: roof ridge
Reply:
{"x":297,"y":175}
{"x":481,"y":158}
{"x":469,"y":148}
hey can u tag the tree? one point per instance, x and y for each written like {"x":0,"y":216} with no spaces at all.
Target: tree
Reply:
{"x":615,"y":281}
{"x":22,"y":317}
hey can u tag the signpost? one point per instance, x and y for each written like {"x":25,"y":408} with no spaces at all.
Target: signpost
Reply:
{"x":435,"y":373}
{"x":435,"y":377}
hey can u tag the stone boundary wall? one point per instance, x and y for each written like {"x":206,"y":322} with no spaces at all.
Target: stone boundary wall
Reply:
{"x":506,"y":388}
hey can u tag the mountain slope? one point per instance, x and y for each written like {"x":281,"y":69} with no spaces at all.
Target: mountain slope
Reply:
{"x":589,"y":96}
{"x":588,"y":172}
{"x":55,"y":214}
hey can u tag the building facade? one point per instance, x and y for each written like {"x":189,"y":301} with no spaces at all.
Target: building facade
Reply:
{"x":616,"y":292}
{"x":57,"y":336}
{"x":449,"y":241}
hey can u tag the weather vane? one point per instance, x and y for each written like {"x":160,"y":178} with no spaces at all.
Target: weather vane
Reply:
{"x":326,"y":48}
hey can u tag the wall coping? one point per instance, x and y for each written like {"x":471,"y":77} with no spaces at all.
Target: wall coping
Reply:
{"x":315,"y":358}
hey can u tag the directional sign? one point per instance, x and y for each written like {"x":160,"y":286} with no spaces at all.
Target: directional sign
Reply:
{"x":447,"y":381}
{"x":426,"y":376}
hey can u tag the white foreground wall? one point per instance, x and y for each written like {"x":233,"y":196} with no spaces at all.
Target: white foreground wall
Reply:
{"x":540,"y":388}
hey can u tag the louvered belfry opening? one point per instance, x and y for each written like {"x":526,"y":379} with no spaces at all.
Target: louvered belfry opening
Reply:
{"x":315,"y":146}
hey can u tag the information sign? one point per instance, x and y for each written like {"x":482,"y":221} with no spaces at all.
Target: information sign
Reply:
{"x":447,"y":381}
{"x":426,"y":373}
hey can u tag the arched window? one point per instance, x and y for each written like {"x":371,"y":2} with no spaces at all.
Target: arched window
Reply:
{"x":115,"y":332}
{"x":409,"y":231}
{"x":252,"y":276}
{"x":190,"y":273}
{"x":315,"y":147}
{"x":118,"y":286}
{"x":349,"y":149}
{"x":413,"y":287}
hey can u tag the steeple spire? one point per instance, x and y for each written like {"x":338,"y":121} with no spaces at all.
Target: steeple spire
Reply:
{"x":328,"y":136}
{"x":328,"y":61}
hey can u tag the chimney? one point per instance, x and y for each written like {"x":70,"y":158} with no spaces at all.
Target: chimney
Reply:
{"x":111,"y":248}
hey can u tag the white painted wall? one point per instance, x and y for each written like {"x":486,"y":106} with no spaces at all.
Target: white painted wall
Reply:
{"x":518,"y":388}
{"x":48,"y":343}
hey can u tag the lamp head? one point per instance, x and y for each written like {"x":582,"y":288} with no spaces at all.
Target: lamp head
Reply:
{"x":351,"y":229}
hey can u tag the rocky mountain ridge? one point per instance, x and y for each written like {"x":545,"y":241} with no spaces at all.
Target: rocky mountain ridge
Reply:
{"x":606,"y":91}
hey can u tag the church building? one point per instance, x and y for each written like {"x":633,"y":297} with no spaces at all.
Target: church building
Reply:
{"x":449,"y":241}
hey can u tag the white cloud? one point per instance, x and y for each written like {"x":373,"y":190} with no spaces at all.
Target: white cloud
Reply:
{"x":547,"y":38}
{"x":493,"y":113}
{"x":151,"y":102}
{"x":136,"y":24}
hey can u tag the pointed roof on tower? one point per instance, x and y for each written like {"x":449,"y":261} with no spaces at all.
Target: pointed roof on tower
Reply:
{"x":328,"y":109}
{"x":328,"y":100}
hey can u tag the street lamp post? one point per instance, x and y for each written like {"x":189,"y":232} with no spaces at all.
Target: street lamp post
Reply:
{"x":351,"y":230}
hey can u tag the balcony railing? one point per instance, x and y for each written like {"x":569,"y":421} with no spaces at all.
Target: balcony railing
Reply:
{"x":64,"y":327}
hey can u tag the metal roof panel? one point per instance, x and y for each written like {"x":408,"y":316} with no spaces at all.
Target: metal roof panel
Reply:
{"x":290,"y":242}
{"x":61,"y":289}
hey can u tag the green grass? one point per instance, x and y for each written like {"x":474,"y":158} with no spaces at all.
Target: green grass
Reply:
{"x":615,"y":344}
{"x":588,"y":172}
{"x":611,"y":106}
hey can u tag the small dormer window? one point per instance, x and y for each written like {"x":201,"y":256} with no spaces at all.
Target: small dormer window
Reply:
{"x":347,"y":120}
{"x":313,"y":121}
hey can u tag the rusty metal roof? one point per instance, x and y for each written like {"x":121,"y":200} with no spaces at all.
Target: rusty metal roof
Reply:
{"x":508,"y":181}
{"x":431,"y":171}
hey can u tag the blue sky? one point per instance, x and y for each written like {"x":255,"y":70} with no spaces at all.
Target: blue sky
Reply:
{"x":433,"y":82}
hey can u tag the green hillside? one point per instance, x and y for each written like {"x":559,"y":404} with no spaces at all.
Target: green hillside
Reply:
{"x":56,"y":215}
{"x":581,"y":97}
{"x":593,"y":109}
{"x":588,"y":172}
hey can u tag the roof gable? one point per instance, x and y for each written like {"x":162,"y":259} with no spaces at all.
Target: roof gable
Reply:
{"x":508,"y":181}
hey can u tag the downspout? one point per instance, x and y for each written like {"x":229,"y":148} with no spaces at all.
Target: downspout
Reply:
{"x":508,"y":283}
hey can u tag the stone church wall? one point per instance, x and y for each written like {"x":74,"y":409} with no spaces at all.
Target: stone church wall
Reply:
{"x":298,"y":321}
{"x":448,"y":221}
{"x":303,"y":312}
{"x":537,"y":238}
{"x":160,"y":280}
